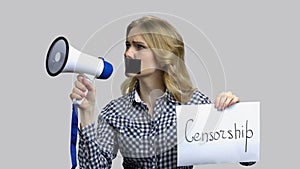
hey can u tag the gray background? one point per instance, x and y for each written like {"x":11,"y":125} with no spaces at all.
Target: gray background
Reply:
{"x":257,"y":41}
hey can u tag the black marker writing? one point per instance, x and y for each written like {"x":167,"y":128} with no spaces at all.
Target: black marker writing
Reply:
{"x":236,"y":133}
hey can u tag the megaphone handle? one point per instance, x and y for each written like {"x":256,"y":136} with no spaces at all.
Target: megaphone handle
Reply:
{"x":88,"y":77}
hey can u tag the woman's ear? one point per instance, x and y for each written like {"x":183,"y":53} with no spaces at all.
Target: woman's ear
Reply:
{"x":164,"y":67}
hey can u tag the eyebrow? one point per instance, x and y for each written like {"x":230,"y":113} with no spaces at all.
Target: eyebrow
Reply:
{"x":136,"y":42}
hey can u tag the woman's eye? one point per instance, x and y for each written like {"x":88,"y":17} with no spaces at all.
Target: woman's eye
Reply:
{"x":138,"y":46}
{"x":127,"y":45}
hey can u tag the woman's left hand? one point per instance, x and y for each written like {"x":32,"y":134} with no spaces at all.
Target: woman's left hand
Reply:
{"x":225,"y":99}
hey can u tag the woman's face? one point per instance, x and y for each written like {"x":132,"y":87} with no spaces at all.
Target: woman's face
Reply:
{"x":137,"y":48}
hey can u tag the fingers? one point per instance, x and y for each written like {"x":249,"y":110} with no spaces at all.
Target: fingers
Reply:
{"x":81,"y":86}
{"x":234,"y":100}
{"x":88,"y":84}
{"x":221,"y":101}
{"x":79,"y":83}
{"x":77,"y":94}
{"x":225,"y":100}
{"x":217,"y":101}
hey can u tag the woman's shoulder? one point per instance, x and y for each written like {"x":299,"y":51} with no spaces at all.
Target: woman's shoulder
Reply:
{"x":116,"y":104}
{"x":114,"y":113}
{"x":199,"y":98}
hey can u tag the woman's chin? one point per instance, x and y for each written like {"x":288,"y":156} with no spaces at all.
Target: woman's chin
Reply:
{"x":131,"y":74}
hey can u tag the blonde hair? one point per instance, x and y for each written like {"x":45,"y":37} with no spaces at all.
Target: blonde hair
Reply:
{"x":168,"y":48}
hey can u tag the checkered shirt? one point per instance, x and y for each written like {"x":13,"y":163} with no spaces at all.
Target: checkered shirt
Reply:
{"x":125,"y":125}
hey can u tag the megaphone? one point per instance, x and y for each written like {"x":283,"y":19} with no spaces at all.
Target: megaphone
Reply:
{"x":63,"y":58}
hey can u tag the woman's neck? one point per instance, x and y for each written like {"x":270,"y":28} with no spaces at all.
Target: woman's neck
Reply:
{"x":151,"y":87}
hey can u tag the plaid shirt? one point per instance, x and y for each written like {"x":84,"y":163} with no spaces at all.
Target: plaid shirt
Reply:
{"x":125,"y":125}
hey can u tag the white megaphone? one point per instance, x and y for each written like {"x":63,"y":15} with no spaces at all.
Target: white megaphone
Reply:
{"x":62,"y":57}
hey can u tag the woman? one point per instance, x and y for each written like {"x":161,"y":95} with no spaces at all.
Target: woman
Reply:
{"x":142,"y":123}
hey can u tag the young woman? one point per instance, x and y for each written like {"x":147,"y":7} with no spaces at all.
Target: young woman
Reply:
{"x":142,"y":123}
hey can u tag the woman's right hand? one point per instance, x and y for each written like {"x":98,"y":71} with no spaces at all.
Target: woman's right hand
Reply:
{"x":81,"y":85}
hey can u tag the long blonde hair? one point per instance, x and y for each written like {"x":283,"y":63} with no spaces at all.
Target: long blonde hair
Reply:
{"x":168,"y":48}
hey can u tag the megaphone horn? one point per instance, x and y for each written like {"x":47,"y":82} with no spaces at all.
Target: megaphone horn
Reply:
{"x":62,"y":57}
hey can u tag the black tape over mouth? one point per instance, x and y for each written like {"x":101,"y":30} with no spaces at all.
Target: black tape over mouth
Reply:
{"x":132,"y":66}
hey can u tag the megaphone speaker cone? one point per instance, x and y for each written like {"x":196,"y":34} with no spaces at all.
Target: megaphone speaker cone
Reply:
{"x":57,"y":56}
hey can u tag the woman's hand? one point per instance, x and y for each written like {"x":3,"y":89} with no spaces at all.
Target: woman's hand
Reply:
{"x":225,"y":99}
{"x":81,"y":85}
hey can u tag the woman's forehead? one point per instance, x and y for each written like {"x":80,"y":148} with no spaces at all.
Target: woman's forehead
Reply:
{"x":135,"y":38}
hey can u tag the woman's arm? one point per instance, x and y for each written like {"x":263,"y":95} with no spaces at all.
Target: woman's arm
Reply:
{"x":84,"y":89}
{"x":98,"y":148}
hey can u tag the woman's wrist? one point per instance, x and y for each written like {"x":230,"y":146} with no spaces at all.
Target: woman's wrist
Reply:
{"x":86,"y":118}
{"x":84,"y":123}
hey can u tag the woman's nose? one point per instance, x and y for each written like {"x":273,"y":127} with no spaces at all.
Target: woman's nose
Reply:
{"x":129,"y":53}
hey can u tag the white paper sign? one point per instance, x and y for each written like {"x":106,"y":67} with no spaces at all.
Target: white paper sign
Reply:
{"x":208,"y":136}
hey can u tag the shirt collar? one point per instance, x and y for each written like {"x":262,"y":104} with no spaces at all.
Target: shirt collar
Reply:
{"x":134,"y":96}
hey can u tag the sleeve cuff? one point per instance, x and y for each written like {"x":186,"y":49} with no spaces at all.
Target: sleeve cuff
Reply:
{"x":87,"y":133}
